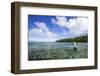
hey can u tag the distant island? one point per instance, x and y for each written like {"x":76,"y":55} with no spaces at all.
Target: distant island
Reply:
{"x":76,"y":39}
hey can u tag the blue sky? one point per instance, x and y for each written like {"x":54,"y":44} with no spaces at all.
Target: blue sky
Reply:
{"x":43,"y":28}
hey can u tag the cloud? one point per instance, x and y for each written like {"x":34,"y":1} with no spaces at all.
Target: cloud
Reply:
{"x":44,"y":28}
{"x":62,"y":21}
{"x":70,"y":28}
{"x":77,"y":26}
{"x":41,"y":33}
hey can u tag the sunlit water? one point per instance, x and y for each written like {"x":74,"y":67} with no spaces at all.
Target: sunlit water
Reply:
{"x":56,"y":50}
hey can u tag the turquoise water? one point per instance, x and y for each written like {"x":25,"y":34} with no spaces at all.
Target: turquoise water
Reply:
{"x":56,"y":50}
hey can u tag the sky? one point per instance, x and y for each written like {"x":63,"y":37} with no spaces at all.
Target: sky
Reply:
{"x":48,"y":28}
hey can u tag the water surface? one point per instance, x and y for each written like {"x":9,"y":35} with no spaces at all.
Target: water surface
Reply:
{"x":56,"y":50}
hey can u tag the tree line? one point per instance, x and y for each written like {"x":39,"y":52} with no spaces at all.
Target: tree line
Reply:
{"x":76,"y":39}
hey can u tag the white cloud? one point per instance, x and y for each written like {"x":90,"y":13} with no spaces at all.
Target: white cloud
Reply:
{"x":41,"y":33}
{"x":77,"y":26}
{"x":42,"y":26}
{"x":62,"y":21}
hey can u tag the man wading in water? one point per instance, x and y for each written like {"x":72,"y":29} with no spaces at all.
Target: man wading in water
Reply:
{"x":75,"y":47}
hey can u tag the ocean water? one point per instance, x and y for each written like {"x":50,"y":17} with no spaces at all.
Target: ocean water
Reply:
{"x":56,"y":50}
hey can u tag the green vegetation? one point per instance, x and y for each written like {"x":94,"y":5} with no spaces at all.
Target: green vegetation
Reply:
{"x":76,"y":39}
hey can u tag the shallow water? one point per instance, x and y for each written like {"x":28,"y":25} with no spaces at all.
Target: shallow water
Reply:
{"x":56,"y":50}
